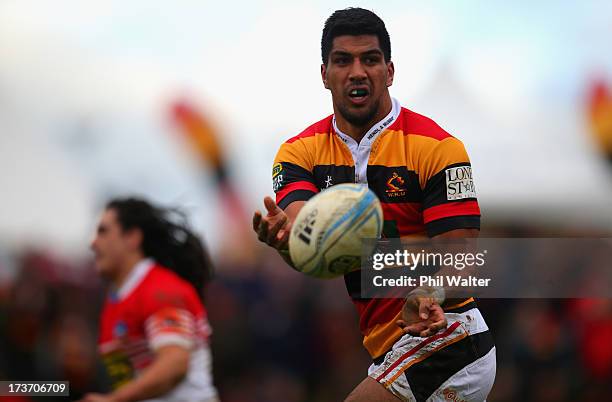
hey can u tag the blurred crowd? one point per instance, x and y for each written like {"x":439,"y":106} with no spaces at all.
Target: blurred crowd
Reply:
{"x":282,"y":337}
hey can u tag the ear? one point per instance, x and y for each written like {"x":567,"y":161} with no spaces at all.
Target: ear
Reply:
{"x":390,"y":73}
{"x":134,"y":238}
{"x":324,"y":75}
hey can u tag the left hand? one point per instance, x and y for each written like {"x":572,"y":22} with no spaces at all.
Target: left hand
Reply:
{"x":422,"y":316}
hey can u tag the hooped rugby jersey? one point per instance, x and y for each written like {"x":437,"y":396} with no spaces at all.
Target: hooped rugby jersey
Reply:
{"x":421,"y":174}
{"x":155,"y":308}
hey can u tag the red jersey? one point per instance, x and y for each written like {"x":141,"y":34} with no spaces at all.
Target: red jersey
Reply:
{"x":154,"y":308}
{"x":421,"y":174}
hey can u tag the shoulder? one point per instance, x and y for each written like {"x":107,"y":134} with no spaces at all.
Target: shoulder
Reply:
{"x":164,"y":288}
{"x":301,"y":149}
{"x":160,"y":275}
{"x":424,"y":138}
{"x":322,"y":126}
{"x":415,"y":124}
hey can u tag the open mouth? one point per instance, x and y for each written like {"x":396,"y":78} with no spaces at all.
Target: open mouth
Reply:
{"x":359,"y":95}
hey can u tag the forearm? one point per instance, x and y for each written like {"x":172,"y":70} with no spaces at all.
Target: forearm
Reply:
{"x":451,"y":244}
{"x":157,"y":379}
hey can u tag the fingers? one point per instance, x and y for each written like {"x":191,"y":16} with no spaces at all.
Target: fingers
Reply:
{"x":437,"y":326}
{"x":262,"y":230}
{"x":414,"y":329}
{"x":271,"y":238}
{"x":283,"y":238}
{"x":435,"y":321}
{"x":271,"y":206}
{"x":424,"y":307}
{"x":273,"y":228}
{"x":256,"y":220}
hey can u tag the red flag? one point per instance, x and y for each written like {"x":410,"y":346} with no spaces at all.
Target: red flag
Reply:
{"x":600,"y":114}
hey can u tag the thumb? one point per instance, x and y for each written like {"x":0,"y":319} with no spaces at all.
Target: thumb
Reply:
{"x":271,"y":206}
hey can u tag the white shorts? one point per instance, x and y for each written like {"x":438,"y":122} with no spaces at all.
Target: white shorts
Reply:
{"x":457,"y":364}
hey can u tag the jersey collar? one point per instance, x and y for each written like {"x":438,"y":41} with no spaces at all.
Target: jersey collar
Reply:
{"x":136,"y":275}
{"x":375,"y":130}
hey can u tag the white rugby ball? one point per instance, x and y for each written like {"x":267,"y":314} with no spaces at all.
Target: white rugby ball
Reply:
{"x":326,"y":236}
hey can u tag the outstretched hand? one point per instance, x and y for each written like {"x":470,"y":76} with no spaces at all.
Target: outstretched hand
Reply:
{"x":422,"y":316}
{"x":272,"y":229}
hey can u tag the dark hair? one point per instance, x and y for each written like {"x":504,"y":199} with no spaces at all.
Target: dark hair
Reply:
{"x":354,"y":21}
{"x":166,"y":238}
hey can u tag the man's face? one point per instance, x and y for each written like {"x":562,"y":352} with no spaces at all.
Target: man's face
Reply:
{"x":110,"y":245}
{"x":357,"y":76}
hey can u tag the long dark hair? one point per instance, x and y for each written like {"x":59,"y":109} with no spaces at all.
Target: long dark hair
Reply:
{"x":167,"y":238}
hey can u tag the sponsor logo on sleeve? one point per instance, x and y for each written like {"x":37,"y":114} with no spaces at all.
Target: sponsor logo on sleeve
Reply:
{"x":277,"y":176}
{"x":459,"y":183}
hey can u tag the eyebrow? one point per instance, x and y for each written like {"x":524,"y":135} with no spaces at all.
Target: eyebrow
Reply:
{"x":367,"y":52}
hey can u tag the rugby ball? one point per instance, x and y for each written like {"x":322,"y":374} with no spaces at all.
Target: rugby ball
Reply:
{"x":326,"y":236}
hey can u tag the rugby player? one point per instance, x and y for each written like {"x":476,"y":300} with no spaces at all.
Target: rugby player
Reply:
{"x":153,"y":329}
{"x":437,"y":349}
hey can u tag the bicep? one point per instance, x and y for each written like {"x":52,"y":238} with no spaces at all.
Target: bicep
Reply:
{"x":175,"y":355}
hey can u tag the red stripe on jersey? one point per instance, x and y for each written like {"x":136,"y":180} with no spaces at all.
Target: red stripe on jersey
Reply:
{"x":376,"y":311}
{"x":322,"y":126}
{"x":418,"y":347}
{"x":407,"y":216}
{"x":457,"y":208}
{"x":416,"y":124}
{"x":296,"y":185}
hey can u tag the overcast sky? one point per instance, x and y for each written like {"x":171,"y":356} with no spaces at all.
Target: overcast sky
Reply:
{"x":85,"y":89}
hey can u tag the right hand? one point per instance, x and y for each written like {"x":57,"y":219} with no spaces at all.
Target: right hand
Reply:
{"x":422,"y":316}
{"x":274,"y":228}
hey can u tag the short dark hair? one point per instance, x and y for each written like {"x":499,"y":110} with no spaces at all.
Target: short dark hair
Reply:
{"x":166,"y":238}
{"x":354,"y":21}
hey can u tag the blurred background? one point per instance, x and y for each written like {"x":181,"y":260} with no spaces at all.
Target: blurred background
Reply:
{"x":186,"y":103}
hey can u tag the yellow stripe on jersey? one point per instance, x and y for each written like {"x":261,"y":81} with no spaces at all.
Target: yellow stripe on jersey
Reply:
{"x":297,"y":152}
{"x":423,"y":155}
{"x":436,"y":156}
{"x":382,"y":336}
{"x":315,"y":150}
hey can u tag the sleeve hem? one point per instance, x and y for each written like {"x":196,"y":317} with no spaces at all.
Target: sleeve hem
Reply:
{"x":297,"y":195}
{"x":443,"y":225}
{"x":171,"y":339}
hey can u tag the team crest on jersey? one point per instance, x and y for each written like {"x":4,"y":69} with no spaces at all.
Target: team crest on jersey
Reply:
{"x":277,"y":176}
{"x":395,"y":186}
{"x":120,"y":329}
{"x":459,"y":183}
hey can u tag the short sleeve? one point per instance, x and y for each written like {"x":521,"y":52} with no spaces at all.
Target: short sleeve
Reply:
{"x":292,"y":176}
{"x":169,"y":320}
{"x":449,"y":194}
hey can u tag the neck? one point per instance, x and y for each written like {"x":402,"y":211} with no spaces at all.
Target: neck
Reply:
{"x":125,"y":269}
{"x":357,"y":132}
